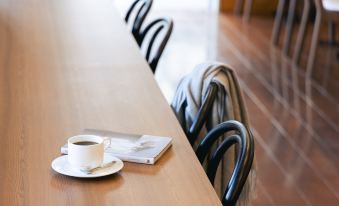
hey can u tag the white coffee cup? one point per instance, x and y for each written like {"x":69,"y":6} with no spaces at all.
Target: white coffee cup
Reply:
{"x":86,"y":156}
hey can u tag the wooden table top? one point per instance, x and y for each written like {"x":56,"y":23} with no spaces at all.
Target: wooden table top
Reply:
{"x":67,"y":65}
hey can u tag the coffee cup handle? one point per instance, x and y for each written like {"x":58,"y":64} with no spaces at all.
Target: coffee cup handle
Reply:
{"x":107,"y":142}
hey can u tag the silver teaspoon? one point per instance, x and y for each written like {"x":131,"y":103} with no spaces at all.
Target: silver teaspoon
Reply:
{"x":89,"y":171}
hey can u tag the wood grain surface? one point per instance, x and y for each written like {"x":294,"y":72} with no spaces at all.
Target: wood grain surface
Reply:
{"x":67,"y":65}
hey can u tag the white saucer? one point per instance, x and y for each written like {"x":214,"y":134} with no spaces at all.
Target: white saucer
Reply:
{"x":62,"y":166}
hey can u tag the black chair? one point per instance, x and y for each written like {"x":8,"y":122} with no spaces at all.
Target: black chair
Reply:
{"x":143,"y":7}
{"x":244,"y":160}
{"x":153,"y":30}
{"x":243,"y":138}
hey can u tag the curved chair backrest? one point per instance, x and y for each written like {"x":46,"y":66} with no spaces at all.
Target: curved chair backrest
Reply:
{"x":153,"y":30}
{"x":238,"y":121}
{"x":203,"y":112}
{"x":206,"y":107}
{"x":143,"y":7}
{"x":244,"y":159}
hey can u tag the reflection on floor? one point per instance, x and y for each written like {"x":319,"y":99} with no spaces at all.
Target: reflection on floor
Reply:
{"x":295,"y":121}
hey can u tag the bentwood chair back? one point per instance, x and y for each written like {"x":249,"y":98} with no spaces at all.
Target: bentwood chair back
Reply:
{"x":140,"y":9}
{"x":154,"y":38}
{"x":206,"y":108}
{"x":203,"y":113}
{"x":245,"y":155}
{"x":193,"y":133}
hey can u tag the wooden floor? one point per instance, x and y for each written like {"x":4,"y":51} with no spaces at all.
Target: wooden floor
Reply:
{"x":295,"y":120}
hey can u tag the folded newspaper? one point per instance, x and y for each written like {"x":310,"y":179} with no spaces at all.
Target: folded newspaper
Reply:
{"x":146,"y":149}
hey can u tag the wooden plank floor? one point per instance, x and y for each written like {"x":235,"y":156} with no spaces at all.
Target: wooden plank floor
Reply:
{"x":296,"y":128}
{"x":295,"y":121}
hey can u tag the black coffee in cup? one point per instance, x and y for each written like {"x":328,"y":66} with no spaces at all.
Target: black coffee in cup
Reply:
{"x":85,"y":143}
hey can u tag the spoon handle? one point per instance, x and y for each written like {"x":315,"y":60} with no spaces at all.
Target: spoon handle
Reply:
{"x":90,"y":171}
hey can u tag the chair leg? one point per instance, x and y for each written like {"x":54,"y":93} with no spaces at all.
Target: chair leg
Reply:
{"x":331,"y":32}
{"x":331,"y":35}
{"x":301,"y":32}
{"x":247,"y":10}
{"x":290,"y":24}
{"x":238,"y":7}
{"x":277,"y":22}
{"x":314,"y":43}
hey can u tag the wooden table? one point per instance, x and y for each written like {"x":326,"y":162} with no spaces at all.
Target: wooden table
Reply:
{"x":66,"y":65}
